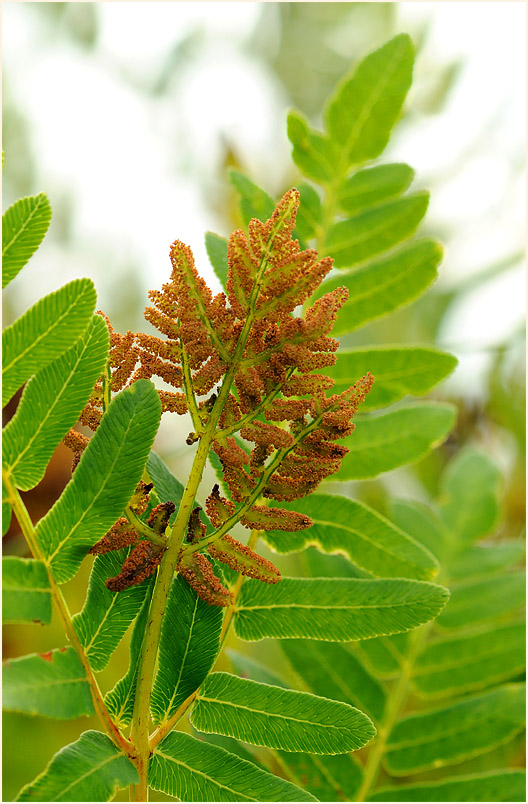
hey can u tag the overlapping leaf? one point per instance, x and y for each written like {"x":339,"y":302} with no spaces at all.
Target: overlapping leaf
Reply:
{"x":192,"y":770}
{"x":24,"y":225}
{"x":168,"y":488}
{"x":327,"y":777}
{"x":45,"y":332}
{"x":330,"y":670}
{"x":103,"y":482}
{"x":336,"y":610}
{"x":365,"y":537}
{"x":498,"y":785}
{"x":373,"y":232}
{"x":51,"y":404}
{"x":470,"y":486}
{"x":478,"y":601}
{"x":254,"y":202}
{"x":470,"y":661}
{"x":26,"y":592}
{"x":120,"y":700}
{"x":385,"y":284}
{"x":453,"y":733}
{"x":382,"y":443}
{"x":52,"y":684}
{"x":106,"y":615}
{"x":398,"y":371}
{"x":373,"y":185}
{"x":278,"y":718}
{"x":216,"y":248}
{"x":189,"y":643}
{"x":90,"y":769}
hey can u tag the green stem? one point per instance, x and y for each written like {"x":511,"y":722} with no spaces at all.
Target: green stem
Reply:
{"x":144,"y":529}
{"x":28,"y":530}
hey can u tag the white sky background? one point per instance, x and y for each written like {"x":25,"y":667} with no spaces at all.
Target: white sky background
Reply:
{"x":130,"y":161}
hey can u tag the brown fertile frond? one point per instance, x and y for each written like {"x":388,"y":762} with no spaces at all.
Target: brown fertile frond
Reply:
{"x":142,"y":562}
{"x":199,"y":574}
{"x":121,"y":534}
{"x":243,"y":559}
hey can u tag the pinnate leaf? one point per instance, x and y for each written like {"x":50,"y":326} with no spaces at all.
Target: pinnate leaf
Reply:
{"x":51,"y":404}
{"x":24,"y":226}
{"x":470,"y":495}
{"x":361,"y":113}
{"x":106,"y":615}
{"x":278,"y":718}
{"x":398,"y":371}
{"x":336,"y":610}
{"x":26,"y":592}
{"x":313,"y":152}
{"x":52,"y":684}
{"x":189,"y":643}
{"x":454,"y":665}
{"x":329,"y":777}
{"x":483,"y":559}
{"x":120,"y":700}
{"x":375,"y":231}
{"x":478,"y":601}
{"x":373,"y":185}
{"x":330,"y":670}
{"x":497,"y":785}
{"x":192,"y":770}
{"x":456,"y":732}
{"x":386,"y":284}
{"x":103,"y":481}
{"x":167,"y":487}
{"x":45,"y":332}
{"x":216,"y":248}
{"x":350,"y":528}
{"x":90,"y":769}
{"x":382,"y":443}
{"x":254,"y":202}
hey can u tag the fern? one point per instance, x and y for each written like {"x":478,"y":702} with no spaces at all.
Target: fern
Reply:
{"x":385,"y":661}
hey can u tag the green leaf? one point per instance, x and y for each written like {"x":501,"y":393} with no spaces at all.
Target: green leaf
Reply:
{"x":485,"y":559}
{"x":337,"y":610}
{"x":469,"y":661}
{"x":331,"y":671}
{"x":52,"y":684}
{"x":373,"y":185}
{"x":309,"y":213}
{"x":350,"y":528}
{"x":385,"y":285}
{"x":470,"y":505}
{"x":254,"y":202}
{"x":313,"y":153}
{"x":382,"y":443}
{"x":45,"y":332}
{"x":51,"y":404}
{"x":277,"y":718}
{"x":384,"y":656}
{"x":103,"y":481}
{"x":24,"y":226}
{"x":216,"y":248}
{"x":189,"y":644}
{"x":497,"y":785}
{"x":362,"y":111}
{"x":168,"y":488}
{"x":192,"y":770}
{"x":397,"y":372}
{"x":90,"y":769}
{"x":375,"y":231}
{"x":478,"y":601}
{"x":249,"y":668}
{"x":120,"y":700}
{"x":329,"y":778}
{"x":423,"y":524}
{"x":106,"y":615}
{"x":26,"y":593}
{"x":457,"y":732}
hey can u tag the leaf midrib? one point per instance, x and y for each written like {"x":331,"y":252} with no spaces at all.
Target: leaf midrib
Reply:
{"x":201,"y":773}
{"x":19,"y":232}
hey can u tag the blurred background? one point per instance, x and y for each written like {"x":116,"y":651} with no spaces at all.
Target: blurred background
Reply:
{"x":128,"y":115}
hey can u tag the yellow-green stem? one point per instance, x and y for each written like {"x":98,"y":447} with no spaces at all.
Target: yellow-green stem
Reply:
{"x":28,"y":530}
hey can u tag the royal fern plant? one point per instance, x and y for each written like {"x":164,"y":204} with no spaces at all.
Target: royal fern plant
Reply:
{"x":271,"y":402}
